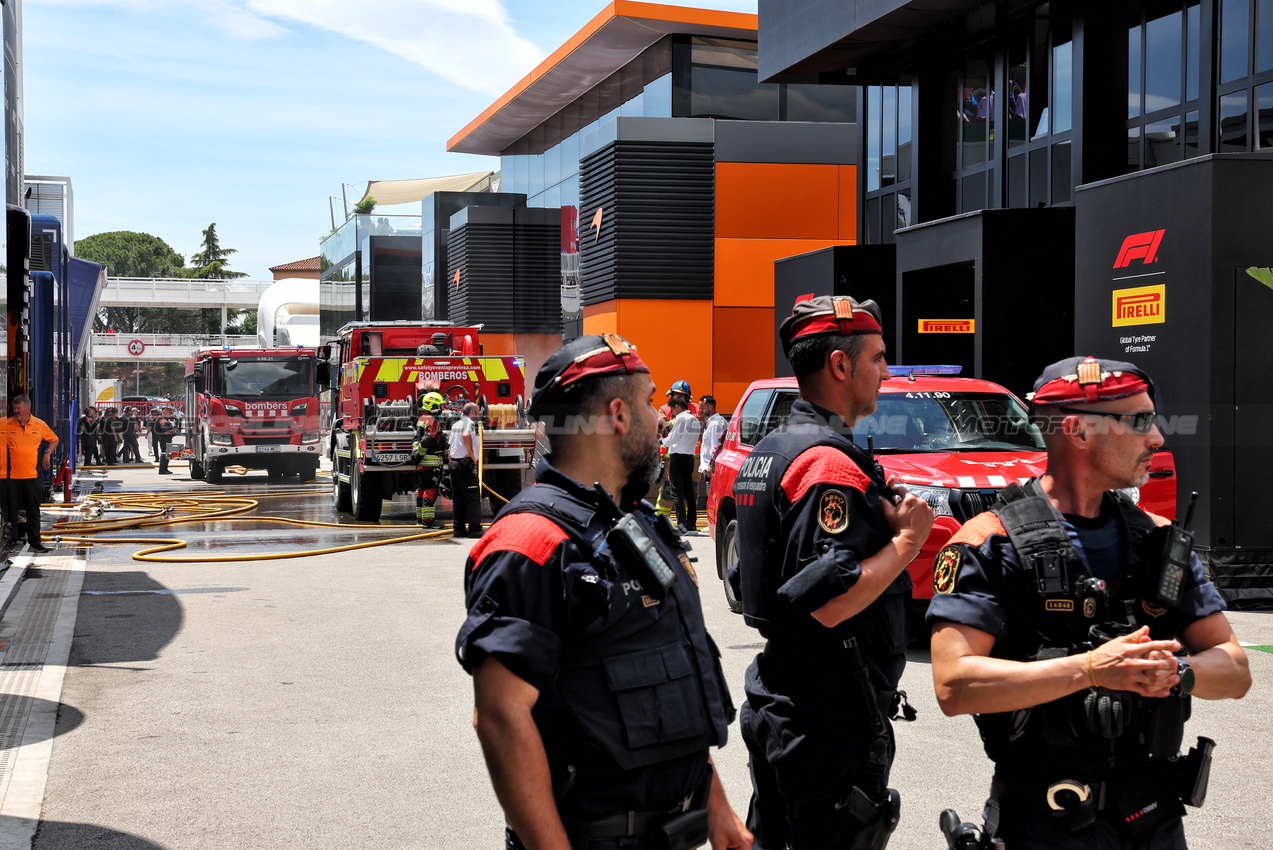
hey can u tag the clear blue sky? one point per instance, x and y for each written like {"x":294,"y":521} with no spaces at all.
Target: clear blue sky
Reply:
{"x":171,"y":114}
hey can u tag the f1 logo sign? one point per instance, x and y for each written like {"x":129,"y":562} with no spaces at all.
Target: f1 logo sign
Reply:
{"x":1139,"y":246}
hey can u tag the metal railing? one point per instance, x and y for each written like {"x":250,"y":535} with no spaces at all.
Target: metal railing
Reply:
{"x":180,"y":291}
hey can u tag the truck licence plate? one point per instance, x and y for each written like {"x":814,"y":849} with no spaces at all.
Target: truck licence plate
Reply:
{"x":392,"y":457}
{"x":269,"y":448}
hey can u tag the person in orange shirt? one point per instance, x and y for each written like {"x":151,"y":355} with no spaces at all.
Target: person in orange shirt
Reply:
{"x":23,"y":434}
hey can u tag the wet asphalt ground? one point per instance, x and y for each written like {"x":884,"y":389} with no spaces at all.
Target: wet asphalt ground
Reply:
{"x":317,"y":703}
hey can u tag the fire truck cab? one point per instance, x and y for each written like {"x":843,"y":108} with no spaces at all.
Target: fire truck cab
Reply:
{"x":374,"y":409}
{"x":256,"y":408}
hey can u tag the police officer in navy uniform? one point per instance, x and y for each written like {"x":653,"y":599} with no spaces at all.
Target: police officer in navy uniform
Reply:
{"x":599,"y":692}
{"x":1055,"y":624}
{"x":823,"y":551}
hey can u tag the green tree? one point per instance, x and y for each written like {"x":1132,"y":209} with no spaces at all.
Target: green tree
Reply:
{"x":213,"y":260}
{"x":129,"y":254}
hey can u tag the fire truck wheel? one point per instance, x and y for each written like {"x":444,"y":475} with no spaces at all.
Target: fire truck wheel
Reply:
{"x":196,"y":469}
{"x":365,"y":494}
{"x":340,"y":494}
{"x":213,"y":472}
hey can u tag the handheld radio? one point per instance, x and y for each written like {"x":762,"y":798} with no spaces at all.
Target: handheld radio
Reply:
{"x":1175,"y":560}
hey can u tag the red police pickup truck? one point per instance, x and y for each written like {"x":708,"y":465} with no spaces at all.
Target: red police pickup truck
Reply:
{"x":953,"y":441}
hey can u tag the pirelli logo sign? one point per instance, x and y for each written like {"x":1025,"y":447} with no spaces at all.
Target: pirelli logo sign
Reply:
{"x":947,"y":326}
{"x":1143,"y":305}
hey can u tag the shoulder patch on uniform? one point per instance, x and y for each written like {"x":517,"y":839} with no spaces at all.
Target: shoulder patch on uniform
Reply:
{"x":833,"y":512}
{"x":1159,"y":521}
{"x":945,"y":569}
{"x":531,"y":535}
{"x":975,"y":531}
{"x":822,"y":465}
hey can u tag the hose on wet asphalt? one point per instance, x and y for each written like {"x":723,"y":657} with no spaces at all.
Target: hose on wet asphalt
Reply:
{"x":151,"y":510}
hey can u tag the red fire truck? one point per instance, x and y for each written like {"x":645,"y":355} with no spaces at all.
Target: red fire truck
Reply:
{"x":374,"y":413}
{"x":256,"y":408}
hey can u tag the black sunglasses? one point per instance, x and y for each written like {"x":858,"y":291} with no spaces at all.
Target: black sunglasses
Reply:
{"x":1141,"y":423}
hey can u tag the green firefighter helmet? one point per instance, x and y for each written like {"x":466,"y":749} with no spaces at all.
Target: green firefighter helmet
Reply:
{"x":431,"y":402}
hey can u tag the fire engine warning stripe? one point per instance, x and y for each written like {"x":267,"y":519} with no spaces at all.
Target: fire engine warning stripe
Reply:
{"x":966,"y":481}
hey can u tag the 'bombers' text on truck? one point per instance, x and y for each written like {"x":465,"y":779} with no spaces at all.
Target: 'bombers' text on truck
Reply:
{"x":256,"y":408}
{"x":375,"y":408}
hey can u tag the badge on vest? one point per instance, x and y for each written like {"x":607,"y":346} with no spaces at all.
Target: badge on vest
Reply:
{"x":1152,"y":610}
{"x":689,"y":568}
{"x":946,"y":569}
{"x":833,"y":512}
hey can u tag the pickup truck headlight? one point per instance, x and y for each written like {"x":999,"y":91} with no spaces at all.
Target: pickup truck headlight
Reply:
{"x":938,"y":498}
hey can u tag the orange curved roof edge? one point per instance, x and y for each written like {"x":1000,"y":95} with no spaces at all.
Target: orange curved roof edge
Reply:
{"x":678,"y":19}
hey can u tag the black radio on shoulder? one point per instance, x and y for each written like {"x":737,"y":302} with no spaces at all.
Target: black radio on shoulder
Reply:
{"x":634,"y":543}
{"x":1168,"y":583}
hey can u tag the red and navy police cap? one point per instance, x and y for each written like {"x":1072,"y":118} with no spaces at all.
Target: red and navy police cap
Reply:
{"x":1086,"y":380}
{"x":829,"y":316}
{"x":586,"y":357}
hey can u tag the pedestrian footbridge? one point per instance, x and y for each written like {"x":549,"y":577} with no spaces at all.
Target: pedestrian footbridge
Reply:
{"x":162,"y":347}
{"x":230,"y":294}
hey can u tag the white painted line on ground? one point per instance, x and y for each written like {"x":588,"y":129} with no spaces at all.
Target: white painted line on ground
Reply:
{"x":12,"y":578}
{"x":22,"y":802}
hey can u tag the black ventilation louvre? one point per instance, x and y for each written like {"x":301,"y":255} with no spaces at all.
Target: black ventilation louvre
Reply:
{"x":510,"y":269}
{"x":658,"y":223}
{"x":41,"y":253}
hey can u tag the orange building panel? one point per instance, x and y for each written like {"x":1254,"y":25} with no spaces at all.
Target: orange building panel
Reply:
{"x":674,"y":337}
{"x":777,"y":200}
{"x":745,"y":267}
{"x":849,"y":202}
{"x":743,"y":344}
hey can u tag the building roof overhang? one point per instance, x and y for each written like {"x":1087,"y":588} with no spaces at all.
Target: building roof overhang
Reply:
{"x":609,"y":41}
{"x":820,"y":36}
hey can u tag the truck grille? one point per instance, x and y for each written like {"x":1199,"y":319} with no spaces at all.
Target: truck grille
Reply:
{"x":972,"y":502}
{"x":267,"y":441}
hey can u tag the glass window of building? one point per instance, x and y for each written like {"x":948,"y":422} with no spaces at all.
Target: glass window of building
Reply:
{"x":723,"y":82}
{"x":1235,"y":31}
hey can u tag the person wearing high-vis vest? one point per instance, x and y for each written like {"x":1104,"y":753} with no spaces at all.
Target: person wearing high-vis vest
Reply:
{"x":427,"y":451}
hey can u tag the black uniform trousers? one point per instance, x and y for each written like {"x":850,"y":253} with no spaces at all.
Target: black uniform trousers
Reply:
{"x":89,"y":449}
{"x":467,"y":493}
{"x":161,"y":446}
{"x":22,"y":507}
{"x":681,"y":477}
{"x":108,"y":448}
{"x":1038,"y":829}
{"x":132,"y":451}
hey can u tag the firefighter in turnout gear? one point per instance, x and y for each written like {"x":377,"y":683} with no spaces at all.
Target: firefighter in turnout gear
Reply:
{"x":427,"y":453}
{"x":599,"y":693}
{"x":823,"y":544}
{"x":1075,"y":627}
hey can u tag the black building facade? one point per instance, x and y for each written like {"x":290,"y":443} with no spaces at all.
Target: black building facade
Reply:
{"x":1076,"y":177}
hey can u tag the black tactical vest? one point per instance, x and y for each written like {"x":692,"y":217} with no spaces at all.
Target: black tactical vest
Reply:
{"x":767,"y":528}
{"x":639,"y":681}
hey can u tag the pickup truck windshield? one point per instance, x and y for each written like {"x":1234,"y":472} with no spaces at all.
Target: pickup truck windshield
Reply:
{"x":948,"y":422}
{"x":261,"y":378}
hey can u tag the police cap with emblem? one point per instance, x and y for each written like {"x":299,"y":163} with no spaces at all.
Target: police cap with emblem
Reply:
{"x":1087,"y":380}
{"x":829,"y":316}
{"x":587,"y":357}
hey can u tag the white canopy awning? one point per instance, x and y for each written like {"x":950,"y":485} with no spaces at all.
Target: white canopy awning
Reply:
{"x":392,"y":192}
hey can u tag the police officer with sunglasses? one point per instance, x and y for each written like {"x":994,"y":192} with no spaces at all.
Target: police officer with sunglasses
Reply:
{"x":1076,"y":627}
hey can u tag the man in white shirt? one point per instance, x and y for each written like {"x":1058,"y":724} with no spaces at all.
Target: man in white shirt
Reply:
{"x":713,"y":432}
{"x":681,"y":440}
{"x":465,"y":445}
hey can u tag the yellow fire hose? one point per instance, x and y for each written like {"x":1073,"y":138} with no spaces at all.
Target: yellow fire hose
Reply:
{"x":157,"y":510}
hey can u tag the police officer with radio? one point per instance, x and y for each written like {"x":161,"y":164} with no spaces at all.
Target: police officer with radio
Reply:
{"x":823,"y":544}
{"x":599,"y":692}
{"x":1075,"y":626}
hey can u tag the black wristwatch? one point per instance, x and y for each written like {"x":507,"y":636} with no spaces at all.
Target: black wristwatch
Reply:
{"x":1185,"y":672}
